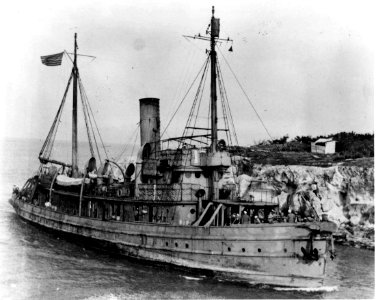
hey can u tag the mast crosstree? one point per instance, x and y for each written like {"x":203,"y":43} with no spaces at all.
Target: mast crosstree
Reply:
{"x":214,"y":27}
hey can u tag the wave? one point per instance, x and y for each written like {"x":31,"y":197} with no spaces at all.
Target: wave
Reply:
{"x":191,"y":278}
{"x":309,"y":289}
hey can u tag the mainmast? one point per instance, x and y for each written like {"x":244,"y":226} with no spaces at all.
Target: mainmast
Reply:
{"x":213,"y":85}
{"x":74,"y":112}
{"x":214,"y":33}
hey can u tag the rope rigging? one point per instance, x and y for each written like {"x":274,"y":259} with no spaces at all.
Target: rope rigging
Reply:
{"x":226,"y":103}
{"x":46,"y":150}
{"x":85,"y":107}
{"x":135,"y":133}
{"x":253,"y":107}
{"x":90,"y":124}
{"x":185,"y":96}
{"x":198,"y":98}
{"x":249,"y":100}
{"x":90,"y":115}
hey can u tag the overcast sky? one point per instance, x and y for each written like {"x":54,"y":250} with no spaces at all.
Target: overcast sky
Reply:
{"x":307,"y":66}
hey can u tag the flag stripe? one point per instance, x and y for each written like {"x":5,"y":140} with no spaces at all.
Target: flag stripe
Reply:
{"x":53,"y":59}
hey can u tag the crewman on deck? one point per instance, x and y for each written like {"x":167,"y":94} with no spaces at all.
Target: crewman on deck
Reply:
{"x":257,"y":220}
{"x":271,"y":216}
{"x":92,"y":165}
{"x":105,"y":171}
{"x":91,"y":173}
{"x":236,"y":218}
{"x":291,"y":218}
{"x":245,"y":218}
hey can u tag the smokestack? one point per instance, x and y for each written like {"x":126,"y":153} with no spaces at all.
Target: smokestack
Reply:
{"x":150,"y":123}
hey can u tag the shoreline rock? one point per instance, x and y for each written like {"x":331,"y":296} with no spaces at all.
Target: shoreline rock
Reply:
{"x":346,"y":192}
{"x":356,"y":236}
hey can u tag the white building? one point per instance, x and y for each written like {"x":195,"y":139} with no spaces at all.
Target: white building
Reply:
{"x":324,"y":146}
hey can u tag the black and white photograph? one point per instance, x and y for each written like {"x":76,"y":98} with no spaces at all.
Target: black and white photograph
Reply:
{"x":187,"y":149}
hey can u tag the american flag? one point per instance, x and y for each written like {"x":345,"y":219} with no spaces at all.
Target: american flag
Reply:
{"x":53,"y":59}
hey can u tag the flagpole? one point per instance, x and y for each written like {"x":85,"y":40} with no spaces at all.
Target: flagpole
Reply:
{"x":74,"y":112}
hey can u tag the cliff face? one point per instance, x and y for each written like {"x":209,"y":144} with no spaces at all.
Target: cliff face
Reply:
{"x":346,"y":191}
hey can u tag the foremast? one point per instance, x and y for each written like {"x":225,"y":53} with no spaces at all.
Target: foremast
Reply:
{"x":74,"y":112}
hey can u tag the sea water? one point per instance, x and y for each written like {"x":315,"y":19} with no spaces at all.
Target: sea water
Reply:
{"x":35,"y":264}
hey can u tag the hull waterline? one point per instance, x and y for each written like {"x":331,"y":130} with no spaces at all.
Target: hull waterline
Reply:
{"x":254,"y":258}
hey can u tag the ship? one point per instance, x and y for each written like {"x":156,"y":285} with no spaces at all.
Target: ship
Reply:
{"x":171,"y":205}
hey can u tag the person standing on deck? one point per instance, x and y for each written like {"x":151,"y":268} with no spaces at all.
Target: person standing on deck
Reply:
{"x":105,"y":171}
{"x":245,"y":218}
{"x":291,"y":218}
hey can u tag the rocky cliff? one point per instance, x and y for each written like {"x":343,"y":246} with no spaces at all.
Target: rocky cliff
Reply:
{"x":346,"y":194}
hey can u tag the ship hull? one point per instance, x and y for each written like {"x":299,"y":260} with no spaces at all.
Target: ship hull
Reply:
{"x":256,"y":254}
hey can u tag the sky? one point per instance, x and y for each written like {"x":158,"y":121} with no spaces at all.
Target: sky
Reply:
{"x":306,"y":66}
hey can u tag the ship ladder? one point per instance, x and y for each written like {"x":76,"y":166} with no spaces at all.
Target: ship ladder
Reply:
{"x":197,"y":223}
{"x":213,"y":216}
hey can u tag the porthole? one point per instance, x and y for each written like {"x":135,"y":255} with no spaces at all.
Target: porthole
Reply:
{"x":197,"y":174}
{"x":259,"y":250}
{"x":192,"y":211}
{"x":243,"y":249}
{"x":188,"y":175}
{"x":176,"y":244}
{"x":186,"y":246}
